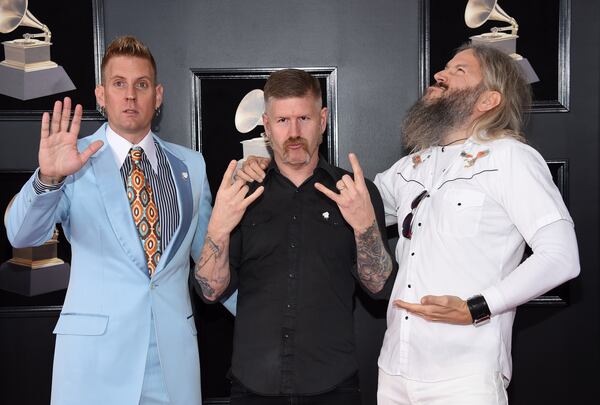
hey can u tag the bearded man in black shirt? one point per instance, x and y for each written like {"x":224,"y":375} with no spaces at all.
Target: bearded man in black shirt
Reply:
{"x":294,"y":247}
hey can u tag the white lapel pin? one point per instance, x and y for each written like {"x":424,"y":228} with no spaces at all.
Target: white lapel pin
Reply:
{"x":325,"y":215}
{"x":184,"y":175}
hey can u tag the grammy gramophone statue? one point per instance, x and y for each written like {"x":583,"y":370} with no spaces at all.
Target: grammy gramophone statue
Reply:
{"x":247,"y":117}
{"x":35,"y":270}
{"x":477,"y":12}
{"x":27,"y":71}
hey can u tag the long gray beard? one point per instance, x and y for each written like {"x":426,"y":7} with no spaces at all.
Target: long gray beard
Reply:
{"x":428,"y":122}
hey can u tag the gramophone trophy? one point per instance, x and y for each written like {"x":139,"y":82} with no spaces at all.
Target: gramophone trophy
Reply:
{"x":247,"y":117}
{"x":35,"y":270}
{"x":478,"y":12}
{"x":27,"y":71}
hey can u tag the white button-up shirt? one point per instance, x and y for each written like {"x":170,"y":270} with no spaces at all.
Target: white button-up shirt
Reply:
{"x":120,"y":148}
{"x":468,"y":238}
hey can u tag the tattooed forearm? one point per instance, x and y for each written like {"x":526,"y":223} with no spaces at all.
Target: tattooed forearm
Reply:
{"x":207,"y":290}
{"x":212,"y":269}
{"x":209,"y":251}
{"x":374,"y":264}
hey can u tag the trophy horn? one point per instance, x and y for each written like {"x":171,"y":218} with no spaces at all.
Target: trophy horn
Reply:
{"x":249,"y":112}
{"x":478,"y":12}
{"x":14,"y":13}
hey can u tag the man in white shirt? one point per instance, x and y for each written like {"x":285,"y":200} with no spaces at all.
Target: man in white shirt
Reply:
{"x":467,"y":200}
{"x":134,"y":208}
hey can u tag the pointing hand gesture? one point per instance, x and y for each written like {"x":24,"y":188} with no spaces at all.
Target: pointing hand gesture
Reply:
{"x":58,"y":155}
{"x":353,"y":199}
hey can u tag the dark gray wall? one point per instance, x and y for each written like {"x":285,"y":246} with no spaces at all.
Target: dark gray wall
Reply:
{"x":375,"y":45}
{"x":369,"y":42}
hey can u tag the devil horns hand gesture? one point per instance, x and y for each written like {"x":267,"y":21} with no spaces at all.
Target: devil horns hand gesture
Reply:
{"x":230,"y":203}
{"x":353,"y":199}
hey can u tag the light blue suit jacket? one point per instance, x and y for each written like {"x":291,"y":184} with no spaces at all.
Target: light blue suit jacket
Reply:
{"x":104,"y":327}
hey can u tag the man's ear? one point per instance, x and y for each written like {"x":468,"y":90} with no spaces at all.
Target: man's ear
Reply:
{"x":489,"y":100}
{"x":159,"y":96}
{"x":99,"y":92}
{"x":323,"y":118}
{"x":266,"y":124}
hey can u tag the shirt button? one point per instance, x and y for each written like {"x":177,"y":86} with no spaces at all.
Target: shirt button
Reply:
{"x":289,"y":306}
{"x":412,"y":254}
{"x":419,"y":224}
{"x":291,"y":275}
{"x":409,"y":286}
{"x":294,"y":218}
{"x":406,"y":317}
{"x":293,"y":244}
{"x":286,"y":336}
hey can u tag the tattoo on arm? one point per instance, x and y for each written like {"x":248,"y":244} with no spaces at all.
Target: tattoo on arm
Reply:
{"x":207,"y":290}
{"x":209,"y":269}
{"x":215,"y":252}
{"x":374,"y":264}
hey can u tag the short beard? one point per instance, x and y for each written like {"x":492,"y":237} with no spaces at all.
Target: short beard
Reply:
{"x":429,"y":121}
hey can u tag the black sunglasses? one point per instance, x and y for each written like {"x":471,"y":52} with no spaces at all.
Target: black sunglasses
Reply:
{"x":407,"y":223}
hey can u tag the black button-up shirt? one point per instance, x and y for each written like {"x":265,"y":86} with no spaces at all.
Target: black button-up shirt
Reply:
{"x":293,"y":260}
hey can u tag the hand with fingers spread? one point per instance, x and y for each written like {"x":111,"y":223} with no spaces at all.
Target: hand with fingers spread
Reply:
{"x":253,"y":169}
{"x":212,"y":270}
{"x":58,"y":154}
{"x":353,"y":199}
{"x":443,"y":308}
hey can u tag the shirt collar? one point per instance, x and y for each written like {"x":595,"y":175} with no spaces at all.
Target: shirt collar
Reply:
{"x":120,"y":147}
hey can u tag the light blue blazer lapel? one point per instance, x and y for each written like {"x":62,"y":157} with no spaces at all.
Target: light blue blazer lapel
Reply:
{"x":118,"y":210}
{"x":181,"y":176}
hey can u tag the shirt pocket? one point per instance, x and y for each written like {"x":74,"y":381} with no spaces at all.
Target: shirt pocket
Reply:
{"x":81,"y":324}
{"x":331,"y":236}
{"x":259,"y":234}
{"x":461,"y":212}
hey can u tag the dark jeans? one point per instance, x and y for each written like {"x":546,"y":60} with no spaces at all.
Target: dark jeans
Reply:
{"x":345,"y":393}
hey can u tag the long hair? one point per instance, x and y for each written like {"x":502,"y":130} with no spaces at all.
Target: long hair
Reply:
{"x":127,"y":46}
{"x":501,"y":74}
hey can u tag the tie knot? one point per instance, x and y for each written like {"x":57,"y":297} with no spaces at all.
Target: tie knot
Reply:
{"x":136,"y":154}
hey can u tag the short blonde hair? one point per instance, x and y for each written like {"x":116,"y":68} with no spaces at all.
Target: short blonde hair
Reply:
{"x":127,"y":46}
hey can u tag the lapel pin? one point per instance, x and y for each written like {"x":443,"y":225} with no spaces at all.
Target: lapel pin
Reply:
{"x":184,"y":175}
{"x":325,"y":215}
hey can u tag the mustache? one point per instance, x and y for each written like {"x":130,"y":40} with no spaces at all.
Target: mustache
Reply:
{"x":297,"y":140}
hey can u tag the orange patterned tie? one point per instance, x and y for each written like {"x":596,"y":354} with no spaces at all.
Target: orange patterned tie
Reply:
{"x":144,"y":209}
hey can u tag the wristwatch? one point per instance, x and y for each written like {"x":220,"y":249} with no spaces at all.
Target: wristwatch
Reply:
{"x":478,"y":307}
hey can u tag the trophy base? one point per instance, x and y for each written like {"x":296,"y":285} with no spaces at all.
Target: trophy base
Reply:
{"x":29,"y":282}
{"x":255,"y":147}
{"x":499,"y":40}
{"x":26,"y":85}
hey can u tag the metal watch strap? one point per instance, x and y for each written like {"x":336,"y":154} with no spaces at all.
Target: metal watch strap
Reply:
{"x":478,"y":307}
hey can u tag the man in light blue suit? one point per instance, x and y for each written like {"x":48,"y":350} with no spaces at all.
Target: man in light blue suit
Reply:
{"x":126,"y":334}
